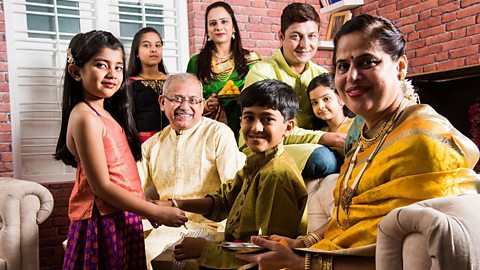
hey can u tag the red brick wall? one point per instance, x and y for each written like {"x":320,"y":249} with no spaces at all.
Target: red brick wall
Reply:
{"x":258,"y":21}
{"x":6,"y":160}
{"x":55,"y":229}
{"x":441,"y":34}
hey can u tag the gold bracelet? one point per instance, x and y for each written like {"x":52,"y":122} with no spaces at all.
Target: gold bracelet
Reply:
{"x":315,"y":236}
{"x":308,"y":256}
{"x":310,"y":239}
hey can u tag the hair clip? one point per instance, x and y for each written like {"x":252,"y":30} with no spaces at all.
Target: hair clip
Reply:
{"x":70,"y":58}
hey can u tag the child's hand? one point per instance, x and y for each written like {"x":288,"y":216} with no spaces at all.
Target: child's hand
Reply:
{"x":191,"y":247}
{"x":170,"y":216}
{"x":162,"y":202}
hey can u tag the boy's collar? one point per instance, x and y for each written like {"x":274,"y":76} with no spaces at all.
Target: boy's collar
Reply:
{"x":258,"y":160}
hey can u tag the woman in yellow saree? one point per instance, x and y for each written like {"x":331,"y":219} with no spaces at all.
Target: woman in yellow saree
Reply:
{"x":404,"y":152}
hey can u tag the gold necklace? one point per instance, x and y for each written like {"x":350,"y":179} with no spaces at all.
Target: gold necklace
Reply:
{"x":367,"y":142}
{"x":151,"y":79}
{"x":346,"y":195}
{"x":222,"y":58}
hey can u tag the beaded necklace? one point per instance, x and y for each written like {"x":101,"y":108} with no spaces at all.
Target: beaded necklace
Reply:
{"x":346,"y":195}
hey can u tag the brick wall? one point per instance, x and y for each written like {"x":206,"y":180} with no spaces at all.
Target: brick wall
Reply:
{"x":6,"y":160}
{"x":441,"y":34}
{"x":258,"y":21}
{"x":55,"y":229}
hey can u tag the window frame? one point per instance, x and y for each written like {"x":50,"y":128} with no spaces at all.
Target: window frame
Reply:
{"x":13,"y":11}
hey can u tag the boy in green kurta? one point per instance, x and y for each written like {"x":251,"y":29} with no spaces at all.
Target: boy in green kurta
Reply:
{"x":268,"y":193}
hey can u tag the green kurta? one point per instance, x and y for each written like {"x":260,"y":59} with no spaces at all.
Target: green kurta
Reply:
{"x":259,"y":197}
{"x":232,"y":110}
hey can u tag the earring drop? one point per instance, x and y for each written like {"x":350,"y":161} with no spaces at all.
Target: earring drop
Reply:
{"x":233,"y":35}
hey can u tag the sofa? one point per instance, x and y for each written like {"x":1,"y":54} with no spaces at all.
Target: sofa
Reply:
{"x":23,"y":206}
{"x":440,"y":233}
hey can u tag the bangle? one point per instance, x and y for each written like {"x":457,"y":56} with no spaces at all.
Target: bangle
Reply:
{"x":308,"y":256}
{"x":310,"y":239}
{"x":325,"y":262}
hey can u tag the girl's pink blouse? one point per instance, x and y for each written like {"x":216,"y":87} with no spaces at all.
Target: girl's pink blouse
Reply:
{"x":121,"y":168}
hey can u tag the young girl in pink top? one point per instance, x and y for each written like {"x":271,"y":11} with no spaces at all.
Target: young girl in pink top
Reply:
{"x":98,"y":137}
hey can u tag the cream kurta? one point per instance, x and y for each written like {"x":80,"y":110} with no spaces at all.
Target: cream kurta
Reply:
{"x":189,"y":165}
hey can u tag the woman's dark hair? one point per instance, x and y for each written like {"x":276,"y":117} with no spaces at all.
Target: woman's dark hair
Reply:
{"x":134,"y":65}
{"x":298,"y":13}
{"x":81,"y":49}
{"x":374,"y":29}
{"x":272,"y":94}
{"x":325,"y":79}
{"x":204,"y":61}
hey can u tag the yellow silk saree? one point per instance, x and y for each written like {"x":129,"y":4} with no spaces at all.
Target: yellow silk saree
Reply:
{"x":423,"y":157}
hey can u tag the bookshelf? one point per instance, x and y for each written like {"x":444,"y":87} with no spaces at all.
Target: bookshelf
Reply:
{"x":341,"y":5}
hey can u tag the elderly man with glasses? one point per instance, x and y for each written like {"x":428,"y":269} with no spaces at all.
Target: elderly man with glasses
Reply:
{"x":190,"y":158}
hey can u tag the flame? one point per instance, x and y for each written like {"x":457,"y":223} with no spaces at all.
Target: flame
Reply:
{"x":260,"y":232}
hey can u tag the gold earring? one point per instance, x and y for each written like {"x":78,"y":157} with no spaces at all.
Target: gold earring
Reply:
{"x":233,"y":35}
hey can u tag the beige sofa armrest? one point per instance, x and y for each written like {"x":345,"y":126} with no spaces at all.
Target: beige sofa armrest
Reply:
{"x":23,"y":205}
{"x":441,"y":233}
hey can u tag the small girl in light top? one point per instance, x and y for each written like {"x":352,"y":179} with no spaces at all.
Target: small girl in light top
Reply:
{"x":327,"y":106}
{"x":99,"y":138}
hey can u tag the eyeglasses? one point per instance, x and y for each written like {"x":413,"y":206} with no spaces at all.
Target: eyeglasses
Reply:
{"x":179,"y":100}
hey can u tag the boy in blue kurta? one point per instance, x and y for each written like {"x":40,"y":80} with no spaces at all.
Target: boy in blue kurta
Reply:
{"x":267,"y":194}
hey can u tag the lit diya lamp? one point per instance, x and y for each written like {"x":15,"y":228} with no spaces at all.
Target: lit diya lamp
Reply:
{"x":260,"y":234}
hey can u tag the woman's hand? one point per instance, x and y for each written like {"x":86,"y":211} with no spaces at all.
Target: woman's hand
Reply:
{"x":278,"y":257}
{"x":191,"y":247}
{"x":292,"y":243}
{"x":211,"y":104}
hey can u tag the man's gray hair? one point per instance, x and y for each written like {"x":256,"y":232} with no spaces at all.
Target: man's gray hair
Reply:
{"x":182,"y":77}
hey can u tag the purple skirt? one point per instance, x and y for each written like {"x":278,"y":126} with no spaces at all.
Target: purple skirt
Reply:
{"x":112,"y":241}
